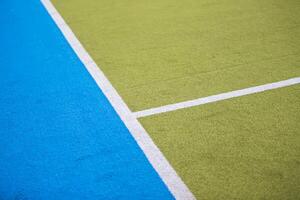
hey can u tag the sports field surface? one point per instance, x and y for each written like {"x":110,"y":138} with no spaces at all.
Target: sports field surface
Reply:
{"x":160,"y":99}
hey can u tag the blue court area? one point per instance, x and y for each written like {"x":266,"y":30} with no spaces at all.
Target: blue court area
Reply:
{"x":59,"y":136}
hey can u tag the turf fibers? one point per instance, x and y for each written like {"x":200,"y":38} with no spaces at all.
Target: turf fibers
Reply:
{"x":164,"y":51}
{"x":243,"y":148}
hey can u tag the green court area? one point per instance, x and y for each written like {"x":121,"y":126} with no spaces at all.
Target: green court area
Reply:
{"x":243,"y":148}
{"x":164,"y":51}
{"x":161,"y":52}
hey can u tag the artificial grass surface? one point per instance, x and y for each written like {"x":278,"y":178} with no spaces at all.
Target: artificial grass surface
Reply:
{"x":164,"y":51}
{"x":243,"y":148}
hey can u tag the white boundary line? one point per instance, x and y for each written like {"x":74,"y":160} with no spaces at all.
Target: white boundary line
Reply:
{"x":218,"y":97}
{"x":155,"y":157}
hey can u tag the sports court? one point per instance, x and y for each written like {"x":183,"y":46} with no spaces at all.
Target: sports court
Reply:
{"x":200,"y":99}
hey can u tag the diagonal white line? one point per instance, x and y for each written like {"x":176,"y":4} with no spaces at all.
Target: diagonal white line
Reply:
{"x":218,"y":97}
{"x":153,"y":154}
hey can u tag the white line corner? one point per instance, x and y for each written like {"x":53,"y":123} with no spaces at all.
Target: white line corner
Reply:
{"x":153,"y":154}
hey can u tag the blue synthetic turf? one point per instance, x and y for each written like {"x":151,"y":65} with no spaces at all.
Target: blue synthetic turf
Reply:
{"x":59,"y":136}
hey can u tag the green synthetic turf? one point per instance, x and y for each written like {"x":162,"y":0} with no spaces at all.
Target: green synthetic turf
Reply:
{"x":165,"y":51}
{"x":243,"y":148}
{"x":157,"y":52}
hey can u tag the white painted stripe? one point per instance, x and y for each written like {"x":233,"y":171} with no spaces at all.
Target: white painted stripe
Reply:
{"x":218,"y":97}
{"x":153,"y":154}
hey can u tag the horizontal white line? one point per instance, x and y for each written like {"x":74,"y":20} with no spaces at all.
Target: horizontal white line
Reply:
{"x":218,"y":97}
{"x":153,"y":154}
